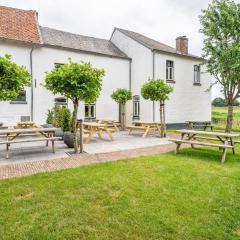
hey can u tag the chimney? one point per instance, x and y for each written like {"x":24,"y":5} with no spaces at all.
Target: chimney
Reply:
{"x":182,"y":45}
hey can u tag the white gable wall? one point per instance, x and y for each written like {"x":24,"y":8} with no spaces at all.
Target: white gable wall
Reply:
{"x":10,"y":113}
{"x":141,"y":70}
{"x":188,"y":102}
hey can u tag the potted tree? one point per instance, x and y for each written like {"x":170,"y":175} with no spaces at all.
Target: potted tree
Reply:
{"x":157,"y":90}
{"x":13,"y":79}
{"x":77,"y":82}
{"x":121,"y":96}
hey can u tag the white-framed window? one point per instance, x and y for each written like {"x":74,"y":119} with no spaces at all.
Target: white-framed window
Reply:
{"x":136,"y":107}
{"x":197,"y":74}
{"x":169,"y":70}
{"x":90,"y":110}
{"x":60,"y":101}
{"x":21,"y":98}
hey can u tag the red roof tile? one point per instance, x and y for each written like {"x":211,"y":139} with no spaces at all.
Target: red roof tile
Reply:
{"x":17,"y":24}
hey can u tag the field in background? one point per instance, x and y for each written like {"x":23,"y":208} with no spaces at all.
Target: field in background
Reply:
{"x":219,"y":117}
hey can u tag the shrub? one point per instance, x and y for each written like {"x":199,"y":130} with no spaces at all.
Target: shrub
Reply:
{"x":60,"y":117}
{"x":219,"y":102}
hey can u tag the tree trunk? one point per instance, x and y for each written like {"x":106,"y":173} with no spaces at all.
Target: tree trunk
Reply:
{"x":164,"y":120}
{"x":229,"y":118}
{"x":161,"y":118}
{"x":74,"y":125}
{"x":123,"y":116}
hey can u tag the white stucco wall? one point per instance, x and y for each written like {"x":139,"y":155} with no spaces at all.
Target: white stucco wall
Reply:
{"x":188,"y":102}
{"x":116,"y":76}
{"x":44,"y":58}
{"x":142,"y":65}
{"x":10,"y":113}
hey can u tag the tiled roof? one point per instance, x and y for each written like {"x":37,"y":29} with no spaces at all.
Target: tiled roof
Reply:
{"x":151,"y":43}
{"x":68,"y":40}
{"x":20,"y":25}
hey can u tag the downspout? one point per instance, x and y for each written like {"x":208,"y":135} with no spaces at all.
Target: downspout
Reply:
{"x":153,"y":76}
{"x":31,"y":71}
{"x":130,"y":75}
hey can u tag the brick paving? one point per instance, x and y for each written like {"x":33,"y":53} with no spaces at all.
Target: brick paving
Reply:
{"x":29,"y":168}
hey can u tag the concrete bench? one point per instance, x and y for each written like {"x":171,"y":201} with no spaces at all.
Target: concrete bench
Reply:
{"x":192,"y":143}
{"x":9,"y":142}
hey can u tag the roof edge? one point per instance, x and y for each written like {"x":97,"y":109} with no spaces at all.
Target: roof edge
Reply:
{"x":154,"y":49}
{"x":85,"y":51}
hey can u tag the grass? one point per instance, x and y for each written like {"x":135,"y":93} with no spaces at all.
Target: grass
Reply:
{"x":219,"y":117}
{"x":185,"y":196}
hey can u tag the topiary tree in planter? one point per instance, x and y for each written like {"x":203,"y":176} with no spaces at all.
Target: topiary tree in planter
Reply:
{"x":121,"y":96}
{"x":13,"y":79}
{"x":77,"y":82}
{"x":157,"y":90}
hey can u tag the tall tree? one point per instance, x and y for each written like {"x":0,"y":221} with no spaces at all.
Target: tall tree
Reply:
{"x":121,"y":96}
{"x":13,"y":79}
{"x":157,"y":90}
{"x":77,"y":82}
{"x":221,"y":53}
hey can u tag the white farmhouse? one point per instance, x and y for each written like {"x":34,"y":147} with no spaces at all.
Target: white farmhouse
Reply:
{"x":128,"y":58}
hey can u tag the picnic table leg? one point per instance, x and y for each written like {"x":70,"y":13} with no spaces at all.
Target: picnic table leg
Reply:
{"x":232,"y":144}
{"x":53,"y":149}
{"x":89,"y":138}
{"x":177,"y":148}
{"x":146,"y":132}
{"x":47,"y":140}
{"x":224,"y":151}
{"x":7,"y":148}
{"x":109,"y":134}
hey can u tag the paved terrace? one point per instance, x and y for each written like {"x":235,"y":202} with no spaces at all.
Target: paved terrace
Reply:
{"x":26,"y":159}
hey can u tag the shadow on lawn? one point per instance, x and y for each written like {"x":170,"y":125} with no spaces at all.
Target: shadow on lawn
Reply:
{"x":209,"y":155}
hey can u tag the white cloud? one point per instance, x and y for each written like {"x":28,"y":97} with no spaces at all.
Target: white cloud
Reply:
{"x":162,"y":20}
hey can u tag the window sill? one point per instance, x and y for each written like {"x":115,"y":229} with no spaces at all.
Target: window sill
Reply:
{"x":18,"y":102}
{"x":170,"y":81}
{"x":197,"y":84}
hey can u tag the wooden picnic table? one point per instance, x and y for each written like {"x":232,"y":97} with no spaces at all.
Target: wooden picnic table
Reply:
{"x":226,"y":140}
{"x":199,"y":125}
{"x":146,"y":127}
{"x":10,"y":136}
{"x":110,"y":123}
{"x":28,"y":124}
{"x":92,"y":128}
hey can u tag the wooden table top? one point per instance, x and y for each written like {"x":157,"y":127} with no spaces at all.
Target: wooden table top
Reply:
{"x":27,"y":130}
{"x":145,"y":122}
{"x":94,"y":124}
{"x":219,"y":134}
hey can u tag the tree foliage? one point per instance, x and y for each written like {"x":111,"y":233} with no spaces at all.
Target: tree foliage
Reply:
{"x":221,"y":27}
{"x":77,"y":82}
{"x":13,"y":79}
{"x":121,"y":95}
{"x":157,"y":90}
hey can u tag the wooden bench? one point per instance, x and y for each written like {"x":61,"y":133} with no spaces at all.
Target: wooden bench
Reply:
{"x":8,"y":143}
{"x":192,"y":143}
{"x":197,"y":125}
{"x":135,"y":127}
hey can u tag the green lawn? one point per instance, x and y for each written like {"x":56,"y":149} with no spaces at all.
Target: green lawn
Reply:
{"x":219,"y":117}
{"x":179,"y":197}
